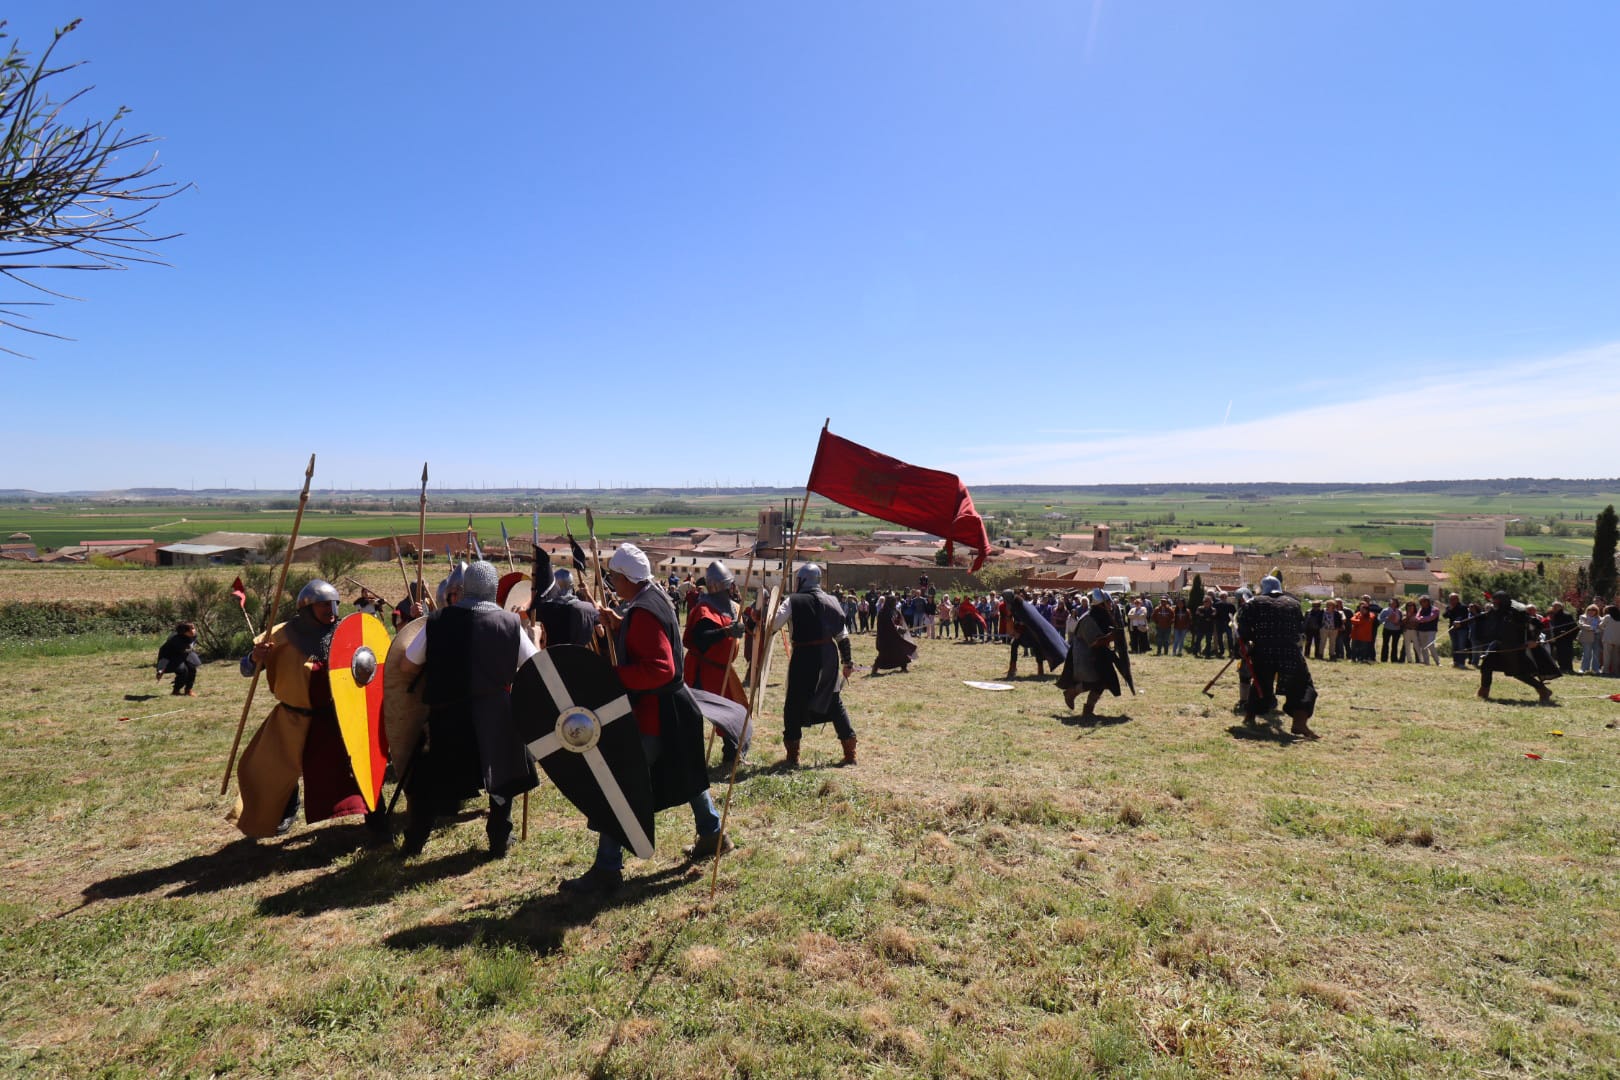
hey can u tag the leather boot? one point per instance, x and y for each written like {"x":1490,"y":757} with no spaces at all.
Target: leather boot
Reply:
{"x":849,"y":750}
{"x":792,"y":759}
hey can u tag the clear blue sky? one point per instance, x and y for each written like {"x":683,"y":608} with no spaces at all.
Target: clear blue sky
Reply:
{"x":658,"y":243}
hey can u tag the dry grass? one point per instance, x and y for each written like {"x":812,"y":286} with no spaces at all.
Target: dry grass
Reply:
{"x":997,"y":890}
{"x":21,"y":581}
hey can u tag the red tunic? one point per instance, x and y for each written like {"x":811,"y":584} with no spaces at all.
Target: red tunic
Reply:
{"x":648,"y":663}
{"x":711,"y":670}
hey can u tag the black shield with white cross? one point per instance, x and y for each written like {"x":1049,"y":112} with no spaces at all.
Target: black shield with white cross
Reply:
{"x":575,"y":717}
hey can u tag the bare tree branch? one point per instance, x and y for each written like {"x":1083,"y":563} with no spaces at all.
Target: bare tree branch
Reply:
{"x":64,"y":203}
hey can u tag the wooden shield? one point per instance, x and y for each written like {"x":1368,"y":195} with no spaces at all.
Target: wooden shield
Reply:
{"x":762,"y":647}
{"x":505,"y":586}
{"x":404,"y":712}
{"x":516,"y":598}
{"x":574,"y":716}
{"x":357,"y":669}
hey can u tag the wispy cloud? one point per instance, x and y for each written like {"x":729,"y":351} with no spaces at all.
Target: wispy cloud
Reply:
{"x":1092,"y":27}
{"x":1545,"y":417}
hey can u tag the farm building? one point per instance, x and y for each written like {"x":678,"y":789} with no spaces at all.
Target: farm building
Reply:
{"x":203,"y":554}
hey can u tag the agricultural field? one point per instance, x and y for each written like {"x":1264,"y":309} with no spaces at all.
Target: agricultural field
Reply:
{"x":997,"y":890}
{"x":72,"y":524}
{"x":1369,"y":522}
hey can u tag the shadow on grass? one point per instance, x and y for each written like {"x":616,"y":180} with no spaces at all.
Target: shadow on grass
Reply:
{"x":139,"y":697}
{"x":237,"y":863}
{"x":376,"y":877}
{"x":1262,"y":733}
{"x":540,"y":922}
{"x":1092,"y":723}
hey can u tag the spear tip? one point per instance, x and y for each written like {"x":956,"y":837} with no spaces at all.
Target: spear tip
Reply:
{"x":424,"y":472}
{"x":310,"y":472}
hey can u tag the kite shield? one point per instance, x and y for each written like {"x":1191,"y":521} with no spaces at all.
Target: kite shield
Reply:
{"x":357,"y":669}
{"x":404,"y":712}
{"x":726,"y":715}
{"x":574,"y":715}
{"x":1042,"y":635}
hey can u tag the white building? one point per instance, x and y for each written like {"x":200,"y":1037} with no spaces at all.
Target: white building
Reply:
{"x":1485,"y":537}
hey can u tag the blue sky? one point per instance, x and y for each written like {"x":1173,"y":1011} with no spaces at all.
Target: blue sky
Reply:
{"x":644,"y":244}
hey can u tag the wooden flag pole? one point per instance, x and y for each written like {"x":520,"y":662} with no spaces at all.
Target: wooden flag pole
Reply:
{"x":269,"y":621}
{"x":765,"y":631}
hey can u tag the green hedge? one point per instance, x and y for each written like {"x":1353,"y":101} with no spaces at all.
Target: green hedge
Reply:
{"x":22,"y":621}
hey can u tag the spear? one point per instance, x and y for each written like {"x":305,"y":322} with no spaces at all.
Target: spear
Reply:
{"x":421,"y":536}
{"x":601,"y":585}
{"x":401,"y":560}
{"x":269,"y":618}
{"x":759,"y":656}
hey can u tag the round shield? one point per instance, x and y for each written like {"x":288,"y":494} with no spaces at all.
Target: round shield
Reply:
{"x":518,"y":596}
{"x":505,"y":586}
{"x":357,"y":697}
{"x":575,"y":718}
{"x":404,"y":711}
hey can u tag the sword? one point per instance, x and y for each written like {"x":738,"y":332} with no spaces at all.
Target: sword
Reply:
{"x":1218,"y":675}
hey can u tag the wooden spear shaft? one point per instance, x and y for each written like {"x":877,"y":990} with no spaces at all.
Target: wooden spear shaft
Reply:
{"x":601,"y":585}
{"x":765,"y":632}
{"x":400,"y":559}
{"x":421,"y":538}
{"x":275,"y":605}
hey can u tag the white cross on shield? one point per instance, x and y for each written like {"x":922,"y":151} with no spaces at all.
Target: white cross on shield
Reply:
{"x":565,"y":728}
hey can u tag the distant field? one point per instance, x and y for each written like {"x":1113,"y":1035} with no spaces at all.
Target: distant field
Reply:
{"x":1370,"y":523}
{"x":171,"y":525}
{"x":1376,"y":524}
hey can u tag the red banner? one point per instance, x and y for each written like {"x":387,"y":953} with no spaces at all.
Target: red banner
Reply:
{"x":239,"y":591}
{"x":873,"y":483}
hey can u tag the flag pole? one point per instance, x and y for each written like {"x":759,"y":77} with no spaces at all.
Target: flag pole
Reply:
{"x":764,"y":636}
{"x":275,"y":604}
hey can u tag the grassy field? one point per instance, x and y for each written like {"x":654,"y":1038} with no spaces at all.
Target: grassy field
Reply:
{"x":997,"y":890}
{"x":75,"y":524}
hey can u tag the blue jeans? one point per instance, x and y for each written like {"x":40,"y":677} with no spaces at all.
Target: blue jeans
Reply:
{"x":1179,"y":639}
{"x":610,"y":856}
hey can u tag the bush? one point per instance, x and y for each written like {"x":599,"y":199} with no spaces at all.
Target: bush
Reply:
{"x":24,"y":621}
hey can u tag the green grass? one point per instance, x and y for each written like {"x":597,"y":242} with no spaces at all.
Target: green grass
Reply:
{"x":79,"y":645}
{"x":996,"y":891}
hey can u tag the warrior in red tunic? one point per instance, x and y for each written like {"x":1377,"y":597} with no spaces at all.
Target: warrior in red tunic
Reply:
{"x":710,"y":639}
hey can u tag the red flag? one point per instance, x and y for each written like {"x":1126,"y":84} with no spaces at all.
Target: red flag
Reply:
{"x":926,"y":499}
{"x":239,"y":591}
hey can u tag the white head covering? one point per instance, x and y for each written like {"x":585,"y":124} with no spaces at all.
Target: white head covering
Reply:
{"x":631,"y":561}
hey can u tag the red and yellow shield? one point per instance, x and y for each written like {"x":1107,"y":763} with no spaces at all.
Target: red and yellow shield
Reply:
{"x":359,"y":654}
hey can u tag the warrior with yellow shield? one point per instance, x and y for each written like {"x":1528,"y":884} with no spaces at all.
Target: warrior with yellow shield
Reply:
{"x":325,"y":726}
